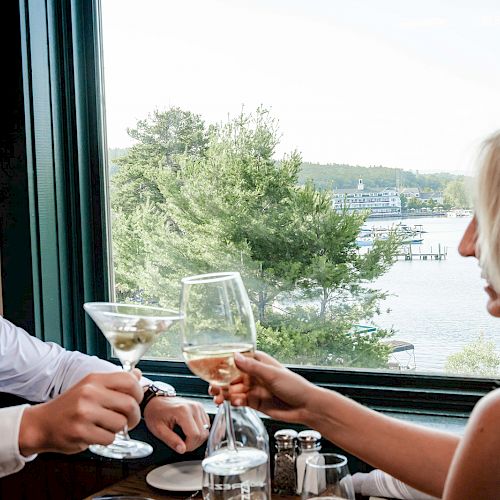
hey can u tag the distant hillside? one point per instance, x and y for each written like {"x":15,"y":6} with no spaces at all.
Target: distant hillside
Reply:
{"x":346,"y":176}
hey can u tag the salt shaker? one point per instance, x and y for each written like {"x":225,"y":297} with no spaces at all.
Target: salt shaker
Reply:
{"x":309,"y":445}
{"x":284,"y":481}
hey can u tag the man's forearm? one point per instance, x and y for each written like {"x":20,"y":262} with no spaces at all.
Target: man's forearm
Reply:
{"x":416,"y":455}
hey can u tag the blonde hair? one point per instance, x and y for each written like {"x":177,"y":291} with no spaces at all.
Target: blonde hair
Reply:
{"x":487,"y":208}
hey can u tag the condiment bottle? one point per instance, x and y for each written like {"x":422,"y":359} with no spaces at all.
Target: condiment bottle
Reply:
{"x":309,"y":445}
{"x":284,"y":481}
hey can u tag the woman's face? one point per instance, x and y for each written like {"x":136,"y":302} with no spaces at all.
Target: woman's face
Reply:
{"x":468,"y":248}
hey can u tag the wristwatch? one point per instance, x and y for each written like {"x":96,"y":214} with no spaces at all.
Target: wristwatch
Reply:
{"x":156,"y":389}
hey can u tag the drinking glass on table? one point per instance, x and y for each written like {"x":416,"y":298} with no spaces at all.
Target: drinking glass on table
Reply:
{"x":130,"y":329}
{"x":327,"y":476}
{"x":217,"y":321}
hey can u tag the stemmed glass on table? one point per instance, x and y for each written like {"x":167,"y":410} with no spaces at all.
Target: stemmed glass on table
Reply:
{"x":130,"y":329}
{"x":217,"y":322}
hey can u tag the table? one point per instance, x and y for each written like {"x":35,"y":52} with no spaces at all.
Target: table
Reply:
{"x":136,"y":484}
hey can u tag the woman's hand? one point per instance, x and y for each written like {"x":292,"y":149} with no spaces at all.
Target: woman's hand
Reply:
{"x":267,"y":386}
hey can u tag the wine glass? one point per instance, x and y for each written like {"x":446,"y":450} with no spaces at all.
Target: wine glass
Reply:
{"x":327,"y":476}
{"x":217,"y":322}
{"x":130,"y":329}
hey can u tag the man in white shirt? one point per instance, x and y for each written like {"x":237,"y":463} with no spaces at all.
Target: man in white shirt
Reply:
{"x":84,"y":400}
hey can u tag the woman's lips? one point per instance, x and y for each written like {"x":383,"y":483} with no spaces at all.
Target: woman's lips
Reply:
{"x":490,"y":291}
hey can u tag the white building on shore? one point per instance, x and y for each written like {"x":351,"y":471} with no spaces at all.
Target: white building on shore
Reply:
{"x":379,"y":203}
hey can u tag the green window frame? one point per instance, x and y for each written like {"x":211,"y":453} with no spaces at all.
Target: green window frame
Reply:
{"x":65,"y":145}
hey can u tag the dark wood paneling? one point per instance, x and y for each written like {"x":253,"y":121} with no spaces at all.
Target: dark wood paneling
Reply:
{"x":53,"y":476}
{"x":15,"y":247}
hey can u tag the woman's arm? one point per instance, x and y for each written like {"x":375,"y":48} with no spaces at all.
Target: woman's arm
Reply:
{"x":475,"y":469}
{"x":416,"y":455}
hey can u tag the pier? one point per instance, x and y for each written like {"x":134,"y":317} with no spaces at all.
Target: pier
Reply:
{"x":408,"y":253}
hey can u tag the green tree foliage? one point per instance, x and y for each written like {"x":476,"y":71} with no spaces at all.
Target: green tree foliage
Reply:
{"x":457,"y":194}
{"x":477,"y":359}
{"x":189,"y":199}
{"x":419,"y":204}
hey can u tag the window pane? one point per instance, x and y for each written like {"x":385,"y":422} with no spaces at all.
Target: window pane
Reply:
{"x":324,"y":150}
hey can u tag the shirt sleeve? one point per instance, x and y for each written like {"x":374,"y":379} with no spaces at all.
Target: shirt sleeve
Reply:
{"x":37,"y":370}
{"x":11,"y":459}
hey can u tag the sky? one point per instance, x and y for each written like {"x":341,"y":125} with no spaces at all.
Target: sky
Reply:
{"x":411,"y":85}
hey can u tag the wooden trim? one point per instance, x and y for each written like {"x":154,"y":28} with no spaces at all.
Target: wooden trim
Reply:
{"x":66,"y":167}
{"x":407,"y":393}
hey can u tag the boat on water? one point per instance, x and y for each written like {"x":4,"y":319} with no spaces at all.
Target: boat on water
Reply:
{"x":415,"y":229}
{"x":402,"y":353}
{"x":411,"y":235}
{"x":413,"y":241}
{"x":364,"y":241}
{"x":369,"y":242}
{"x":459,"y":212}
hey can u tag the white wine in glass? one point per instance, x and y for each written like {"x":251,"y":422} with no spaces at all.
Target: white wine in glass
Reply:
{"x":130,"y":329}
{"x":215,"y":364}
{"x":217,"y":322}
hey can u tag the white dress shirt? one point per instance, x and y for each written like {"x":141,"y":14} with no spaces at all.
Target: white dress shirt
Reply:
{"x":37,"y":371}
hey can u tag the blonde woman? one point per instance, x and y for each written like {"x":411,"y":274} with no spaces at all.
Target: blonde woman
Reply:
{"x":432,"y":461}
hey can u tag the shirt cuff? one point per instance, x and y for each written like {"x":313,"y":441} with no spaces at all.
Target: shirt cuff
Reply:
{"x":11,"y":459}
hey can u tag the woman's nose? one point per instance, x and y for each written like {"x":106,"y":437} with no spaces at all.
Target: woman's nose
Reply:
{"x":467,"y":246}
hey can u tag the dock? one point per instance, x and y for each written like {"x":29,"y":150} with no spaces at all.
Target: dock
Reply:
{"x":408,"y":253}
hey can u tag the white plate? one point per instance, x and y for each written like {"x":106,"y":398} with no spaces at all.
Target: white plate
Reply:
{"x":180,"y":476}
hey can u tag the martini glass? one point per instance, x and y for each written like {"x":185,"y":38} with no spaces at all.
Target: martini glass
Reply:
{"x":130,"y":329}
{"x":217,"y":322}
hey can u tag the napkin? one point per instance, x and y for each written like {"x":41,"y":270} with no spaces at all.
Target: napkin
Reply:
{"x":378,"y":483}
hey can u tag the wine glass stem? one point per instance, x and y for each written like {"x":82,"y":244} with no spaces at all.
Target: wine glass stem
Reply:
{"x":229,"y":426}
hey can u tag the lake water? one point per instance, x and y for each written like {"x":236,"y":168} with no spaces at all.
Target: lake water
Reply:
{"x":439,"y":306}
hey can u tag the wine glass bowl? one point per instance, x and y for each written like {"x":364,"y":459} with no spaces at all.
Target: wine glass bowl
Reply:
{"x":217,"y":322}
{"x":130,"y":329}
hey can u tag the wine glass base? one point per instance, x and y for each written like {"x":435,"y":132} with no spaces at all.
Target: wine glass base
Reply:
{"x":122,"y":449}
{"x":231,"y":462}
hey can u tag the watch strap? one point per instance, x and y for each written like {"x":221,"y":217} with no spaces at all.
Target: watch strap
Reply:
{"x":153,"y":391}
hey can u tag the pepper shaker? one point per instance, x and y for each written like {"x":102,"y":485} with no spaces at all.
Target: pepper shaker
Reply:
{"x":284,"y":481}
{"x":309,"y":445}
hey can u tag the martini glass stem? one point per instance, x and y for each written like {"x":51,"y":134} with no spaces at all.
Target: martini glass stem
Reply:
{"x":123,"y":434}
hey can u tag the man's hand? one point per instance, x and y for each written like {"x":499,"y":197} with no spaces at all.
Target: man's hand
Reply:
{"x":91,"y":411}
{"x":162,"y":414}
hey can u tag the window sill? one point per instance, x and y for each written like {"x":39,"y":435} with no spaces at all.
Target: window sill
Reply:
{"x":446,"y":423}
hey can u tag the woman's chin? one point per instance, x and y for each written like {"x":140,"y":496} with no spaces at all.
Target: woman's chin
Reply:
{"x":493,"y":305}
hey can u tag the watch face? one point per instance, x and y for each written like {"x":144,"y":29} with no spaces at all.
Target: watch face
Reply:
{"x":164,"y":387}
